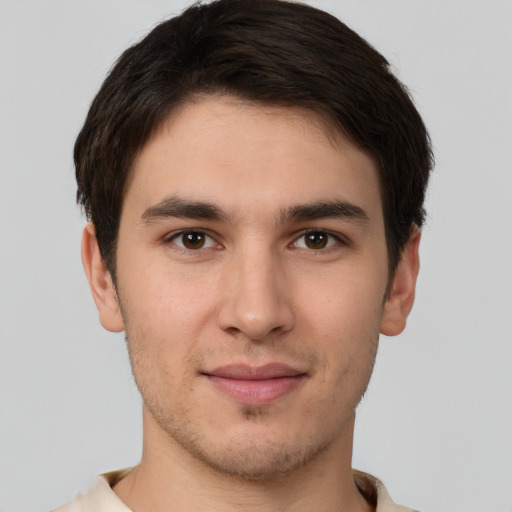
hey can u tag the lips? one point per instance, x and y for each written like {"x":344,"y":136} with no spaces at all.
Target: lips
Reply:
{"x":255,"y":386}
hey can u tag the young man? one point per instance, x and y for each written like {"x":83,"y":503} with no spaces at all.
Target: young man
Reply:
{"x":254,"y":179}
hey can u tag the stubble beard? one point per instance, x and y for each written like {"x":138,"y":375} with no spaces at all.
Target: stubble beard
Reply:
{"x":256,"y":459}
{"x":245,"y":458}
{"x":242,"y":458}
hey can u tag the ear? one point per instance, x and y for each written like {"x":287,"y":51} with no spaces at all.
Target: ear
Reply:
{"x":399,"y":302}
{"x":100,"y":282}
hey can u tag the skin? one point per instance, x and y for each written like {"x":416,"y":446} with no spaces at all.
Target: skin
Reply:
{"x":253,"y":291}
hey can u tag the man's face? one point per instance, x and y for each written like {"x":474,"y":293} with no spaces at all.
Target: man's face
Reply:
{"x":251,"y":276}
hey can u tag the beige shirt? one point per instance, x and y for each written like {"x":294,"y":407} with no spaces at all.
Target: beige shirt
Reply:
{"x":101,"y":498}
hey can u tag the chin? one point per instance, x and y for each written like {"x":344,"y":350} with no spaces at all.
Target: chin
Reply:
{"x":256,"y":461}
{"x":252,"y":452}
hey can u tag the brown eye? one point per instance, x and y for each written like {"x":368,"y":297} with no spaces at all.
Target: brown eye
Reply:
{"x":193,"y":240}
{"x":316,"y":240}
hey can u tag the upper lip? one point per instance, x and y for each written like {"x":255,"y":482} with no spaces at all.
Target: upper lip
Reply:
{"x":248,"y":372}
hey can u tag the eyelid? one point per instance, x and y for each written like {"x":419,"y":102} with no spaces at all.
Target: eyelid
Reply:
{"x":338,"y":237}
{"x":171,"y":237}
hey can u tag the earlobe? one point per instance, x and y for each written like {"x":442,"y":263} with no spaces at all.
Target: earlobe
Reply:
{"x":401,"y":296}
{"x":100,"y":282}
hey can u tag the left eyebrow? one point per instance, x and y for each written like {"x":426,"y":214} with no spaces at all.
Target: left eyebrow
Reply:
{"x":325,"y":210}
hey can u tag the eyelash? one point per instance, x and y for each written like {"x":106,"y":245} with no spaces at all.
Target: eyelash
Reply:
{"x":173,"y":237}
{"x":333,"y":239}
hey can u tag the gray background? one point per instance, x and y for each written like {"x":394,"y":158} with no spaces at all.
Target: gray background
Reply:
{"x":436,"y":424}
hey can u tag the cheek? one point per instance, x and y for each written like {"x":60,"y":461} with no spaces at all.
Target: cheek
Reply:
{"x":344,"y":305}
{"x":161,"y":297}
{"x":344,"y":319}
{"x":166,"y":315}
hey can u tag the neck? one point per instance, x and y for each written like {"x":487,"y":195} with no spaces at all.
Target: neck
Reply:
{"x":169,"y":478}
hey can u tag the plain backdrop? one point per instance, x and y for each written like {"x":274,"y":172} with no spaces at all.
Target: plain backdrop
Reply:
{"x":436,"y":424}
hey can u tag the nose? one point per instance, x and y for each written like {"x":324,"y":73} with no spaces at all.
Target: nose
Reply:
{"x":256,"y":297}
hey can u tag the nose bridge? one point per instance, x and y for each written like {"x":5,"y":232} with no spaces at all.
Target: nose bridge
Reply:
{"x":256,"y":299}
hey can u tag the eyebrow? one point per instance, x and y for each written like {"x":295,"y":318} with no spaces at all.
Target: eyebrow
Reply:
{"x":184,"y":208}
{"x":325,"y":210}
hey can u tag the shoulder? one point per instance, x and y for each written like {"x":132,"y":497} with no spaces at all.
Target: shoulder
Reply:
{"x":100,"y":497}
{"x":376,"y":493}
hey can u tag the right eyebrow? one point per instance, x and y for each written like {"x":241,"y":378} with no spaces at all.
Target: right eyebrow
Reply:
{"x":183,"y":208}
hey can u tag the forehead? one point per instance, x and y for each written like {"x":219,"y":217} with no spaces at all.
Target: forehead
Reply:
{"x":248,"y":157}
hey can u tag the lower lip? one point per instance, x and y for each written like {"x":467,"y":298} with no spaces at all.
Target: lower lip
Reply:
{"x":256,"y":392}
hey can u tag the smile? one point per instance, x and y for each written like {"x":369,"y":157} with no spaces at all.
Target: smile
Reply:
{"x":255,"y":386}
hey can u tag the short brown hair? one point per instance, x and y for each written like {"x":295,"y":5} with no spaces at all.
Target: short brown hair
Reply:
{"x":272,"y":52}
